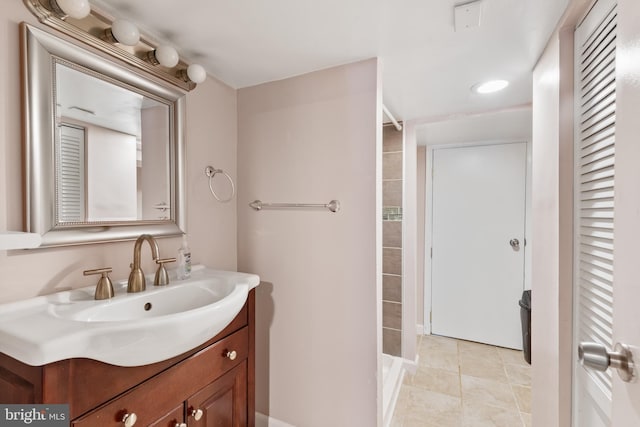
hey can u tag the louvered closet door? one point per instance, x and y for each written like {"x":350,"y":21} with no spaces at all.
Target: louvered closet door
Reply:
{"x":70,"y":156}
{"x":595,"y":93}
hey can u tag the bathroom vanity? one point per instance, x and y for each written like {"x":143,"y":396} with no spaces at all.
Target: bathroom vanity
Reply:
{"x":212,"y":384}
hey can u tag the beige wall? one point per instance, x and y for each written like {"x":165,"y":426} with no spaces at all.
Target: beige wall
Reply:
{"x":154,"y":127}
{"x":211,"y":139}
{"x":310,"y":139}
{"x":552,"y":219}
{"x":421,"y":195}
{"x":409,"y":249}
{"x":110,"y":171}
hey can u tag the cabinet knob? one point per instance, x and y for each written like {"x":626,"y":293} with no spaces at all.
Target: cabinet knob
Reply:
{"x":231,"y":355}
{"x":196,"y":414}
{"x":181,"y":425}
{"x":129,"y":420}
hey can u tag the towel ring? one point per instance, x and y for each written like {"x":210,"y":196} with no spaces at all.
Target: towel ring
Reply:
{"x":210,"y":171}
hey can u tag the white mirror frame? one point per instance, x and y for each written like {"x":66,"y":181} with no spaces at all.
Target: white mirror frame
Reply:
{"x":40,"y":49}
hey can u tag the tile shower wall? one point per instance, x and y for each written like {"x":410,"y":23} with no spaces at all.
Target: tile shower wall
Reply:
{"x":392,"y":241}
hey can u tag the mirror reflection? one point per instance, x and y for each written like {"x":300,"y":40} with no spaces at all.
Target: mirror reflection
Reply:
{"x":112,"y":151}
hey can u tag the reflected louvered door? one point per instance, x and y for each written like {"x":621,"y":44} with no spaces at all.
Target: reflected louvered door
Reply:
{"x":594,"y":207}
{"x":70,"y":155}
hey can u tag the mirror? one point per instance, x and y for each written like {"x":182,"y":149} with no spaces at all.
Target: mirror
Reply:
{"x":104,"y":146}
{"x":112,"y":151}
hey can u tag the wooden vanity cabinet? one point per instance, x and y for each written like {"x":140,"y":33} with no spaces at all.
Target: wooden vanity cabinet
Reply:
{"x":211,"y":385}
{"x":172,"y":419}
{"x":221,"y":402}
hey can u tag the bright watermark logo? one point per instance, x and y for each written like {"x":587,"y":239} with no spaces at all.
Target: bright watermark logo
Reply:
{"x":34,"y":415}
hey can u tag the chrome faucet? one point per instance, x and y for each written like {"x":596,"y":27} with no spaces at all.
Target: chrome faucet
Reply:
{"x":136,"y":277}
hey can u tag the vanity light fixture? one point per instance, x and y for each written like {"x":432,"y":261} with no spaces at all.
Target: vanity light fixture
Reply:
{"x":119,"y":38}
{"x":163,"y":55}
{"x":123,"y":32}
{"x":77,"y":9}
{"x":194,"y":73}
{"x":490,"y":86}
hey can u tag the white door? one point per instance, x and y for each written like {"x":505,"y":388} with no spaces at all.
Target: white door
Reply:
{"x":594,"y":200}
{"x":478,"y":242}
{"x":607,"y":278}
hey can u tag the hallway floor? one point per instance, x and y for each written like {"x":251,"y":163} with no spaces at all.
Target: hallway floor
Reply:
{"x":463,"y":384}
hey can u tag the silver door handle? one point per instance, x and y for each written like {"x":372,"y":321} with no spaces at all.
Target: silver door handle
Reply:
{"x":515,"y":244}
{"x":596,"y":356}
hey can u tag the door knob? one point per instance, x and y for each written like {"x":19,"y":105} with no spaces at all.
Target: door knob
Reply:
{"x":515,"y":244}
{"x":596,"y":356}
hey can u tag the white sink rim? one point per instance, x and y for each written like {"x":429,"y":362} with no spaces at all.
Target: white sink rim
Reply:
{"x":83,"y":311}
{"x":37,"y":332}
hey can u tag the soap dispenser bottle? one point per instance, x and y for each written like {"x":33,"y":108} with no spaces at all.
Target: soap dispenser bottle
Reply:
{"x":184,"y":259}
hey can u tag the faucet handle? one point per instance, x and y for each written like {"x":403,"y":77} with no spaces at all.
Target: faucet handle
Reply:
{"x":104,"y":289}
{"x":162,"y":277}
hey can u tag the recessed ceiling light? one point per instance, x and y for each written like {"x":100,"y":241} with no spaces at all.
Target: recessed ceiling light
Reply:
{"x":490,"y":86}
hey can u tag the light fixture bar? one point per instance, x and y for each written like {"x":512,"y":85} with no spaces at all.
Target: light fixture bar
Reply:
{"x":96,"y":22}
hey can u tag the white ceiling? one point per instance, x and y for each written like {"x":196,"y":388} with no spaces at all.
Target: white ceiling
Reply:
{"x":90,"y":100}
{"x":493,"y":127}
{"x":428,"y":68}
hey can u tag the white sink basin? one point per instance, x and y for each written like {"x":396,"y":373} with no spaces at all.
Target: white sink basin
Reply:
{"x":129,"y":329}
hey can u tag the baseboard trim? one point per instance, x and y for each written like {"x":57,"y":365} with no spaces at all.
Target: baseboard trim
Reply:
{"x":263,"y":420}
{"x":411,"y":366}
{"x":419,"y":329}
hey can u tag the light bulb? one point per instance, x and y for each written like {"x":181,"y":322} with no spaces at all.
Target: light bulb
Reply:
{"x":167,"y":56}
{"x":196,"y":73}
{"x":125,"y":32}
{"x":76,"y":9}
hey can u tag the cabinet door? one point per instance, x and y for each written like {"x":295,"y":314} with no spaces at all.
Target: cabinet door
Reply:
{"x":223,"y":402}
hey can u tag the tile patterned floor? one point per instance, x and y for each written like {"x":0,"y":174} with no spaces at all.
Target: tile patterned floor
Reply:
{"x":465,"y":384}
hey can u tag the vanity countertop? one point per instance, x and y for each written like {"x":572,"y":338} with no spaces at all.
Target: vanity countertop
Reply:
{"x":164,"y":321}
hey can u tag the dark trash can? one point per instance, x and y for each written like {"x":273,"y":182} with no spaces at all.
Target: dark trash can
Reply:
{"x":525,"y":319}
